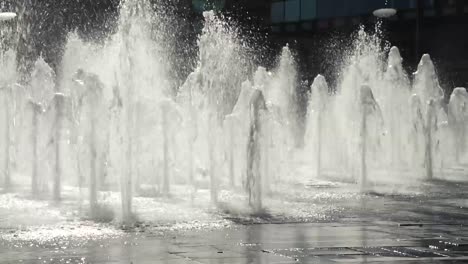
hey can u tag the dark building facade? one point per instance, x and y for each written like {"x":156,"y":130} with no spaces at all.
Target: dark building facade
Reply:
{"x":437,"y":27}
{"x":315,"y":27}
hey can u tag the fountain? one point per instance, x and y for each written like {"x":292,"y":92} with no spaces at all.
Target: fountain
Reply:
{"x":41,"y":99}
{"x":317,"y":110}
{"x":426,"y":86}
{"x":92,"y":121}
{"x":417,"y":134}
{"x":170,"y":121}
{"x":112,"y":121}
{"x":237,"y":131}
{"x":255,"y":156}
{"x":7,"y":86}
{"x":458,"y":118}
{"x":395,"y":106}
{"x":371,"y":115}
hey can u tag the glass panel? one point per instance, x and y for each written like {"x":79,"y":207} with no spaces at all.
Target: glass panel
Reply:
{"x":311,"y":9}
{"x":198,"y":5}
{"x":307,"y":26}
{"x":411,"y":4}
{"x":202,"y":5}
{"x":366,"y":7}
{"x":276,"y":29}
{"x":308,"y":9}
{"x":324,"y":8}
{"x":277,"y":12}
{"x":403,"y":4}
{"x":375,"y":4}
{"x":290,"y":28}
{"x":293,"y":10}
{"x":336,"y":8}
{"x":343,"y":8}
{"x":429,"y":3}
{"x":358,"y":8}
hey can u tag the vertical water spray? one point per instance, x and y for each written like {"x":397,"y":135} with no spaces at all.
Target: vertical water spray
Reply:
{"x":417,"y":134}
{"x":41,"y":97}
{"x":135,"y":52}
{"x":189,"y":98}
{"x":395,"y":107}
{"x":240,"y":130}
{"x":283,"y":95}
{"x":57,"y":188}
{"x":230,"y":123}
{"x":458,"y":120}
{"x":426,"y":83}
{"x":255,"y":157}
{"x":370,"y":114}
{"x":262,"y":82}
{"x":8,"y":78}
{"x":430,"y":137}
{"x":132,"y":65}
{"x":426,"y":86}
{"x":7,"y":138}
{"x":92,"y":124}
{"x":170,"y":119}
{"x":221,"y":69}
{"x":165,"y":138}
{"x":317,"y":108}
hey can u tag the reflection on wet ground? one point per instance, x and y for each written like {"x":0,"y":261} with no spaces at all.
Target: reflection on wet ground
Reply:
{"x":383,"y":226}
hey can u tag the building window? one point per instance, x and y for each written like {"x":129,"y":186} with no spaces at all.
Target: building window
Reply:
{"x":277,"y":12}
{"x":284,"y":11}
{"x":203,"y":5}
{"x":308,"y":9}
{"x":292,"y":12}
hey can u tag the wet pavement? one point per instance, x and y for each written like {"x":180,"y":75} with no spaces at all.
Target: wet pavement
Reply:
{"x":424,"y":226}
{"x":264,"y":243}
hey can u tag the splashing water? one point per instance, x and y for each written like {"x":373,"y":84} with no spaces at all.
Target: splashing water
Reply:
{"x":112,"y":120}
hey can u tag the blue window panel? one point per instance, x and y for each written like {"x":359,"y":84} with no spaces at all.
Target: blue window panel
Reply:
{"x":403,"y":4}
{"x":343,"y":8}
{"x":411,"y":4}
{"x":307,"y":26}
{"x":198,"y":5}
{"x":308,"y":9}
{"x":430,"y":12}
{"x":202,"y":5}
{"x":362,"y":7}
{"x":292,"y":10}
{"x":290,"y":28}
{"x":328,"y":8}
{"x":276,"y":29}
{"x":277,"y":12}
{"x":429,"y":3}
{"x":372,"y":5}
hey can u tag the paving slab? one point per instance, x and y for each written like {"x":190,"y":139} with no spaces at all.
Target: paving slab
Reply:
{"x":377,"y":227}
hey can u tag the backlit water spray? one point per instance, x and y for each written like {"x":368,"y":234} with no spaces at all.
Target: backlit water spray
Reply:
{"x":112,"y":121}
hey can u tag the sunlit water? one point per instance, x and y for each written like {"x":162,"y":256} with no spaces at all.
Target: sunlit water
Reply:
{"x":112,"y":140}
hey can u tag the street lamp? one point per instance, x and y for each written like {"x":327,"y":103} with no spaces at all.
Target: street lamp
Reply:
{"x":5,"y":16}
{"x":384,"y":12}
